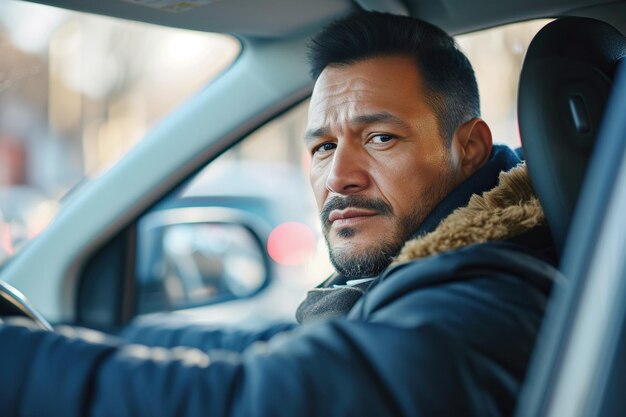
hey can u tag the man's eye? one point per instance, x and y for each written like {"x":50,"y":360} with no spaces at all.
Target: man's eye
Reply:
{"x":379,"y":139}
{"x":325,"y":147}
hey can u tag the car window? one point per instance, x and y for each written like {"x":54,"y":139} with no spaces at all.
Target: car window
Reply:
{"x":497,"y":55}
{"x":77,"y":91}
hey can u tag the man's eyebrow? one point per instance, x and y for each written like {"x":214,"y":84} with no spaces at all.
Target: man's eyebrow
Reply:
{"x":382,"y":117}
{"x":365,"y":119}
{"x":313,"y":134}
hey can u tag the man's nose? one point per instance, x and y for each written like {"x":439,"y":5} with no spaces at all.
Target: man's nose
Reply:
{"x":348,"y":171}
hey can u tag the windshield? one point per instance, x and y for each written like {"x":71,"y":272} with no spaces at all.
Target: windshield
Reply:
{"x":77,"y":91}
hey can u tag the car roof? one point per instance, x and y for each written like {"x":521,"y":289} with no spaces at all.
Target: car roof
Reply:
{"x":249,"y":18}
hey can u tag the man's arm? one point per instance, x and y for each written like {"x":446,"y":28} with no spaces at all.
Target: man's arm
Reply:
{"x":333,"y":369}
{"x":430,"y":342}
{"x":201,"y":336}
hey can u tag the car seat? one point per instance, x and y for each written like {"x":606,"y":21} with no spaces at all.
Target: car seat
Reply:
{"x":564,"y":86}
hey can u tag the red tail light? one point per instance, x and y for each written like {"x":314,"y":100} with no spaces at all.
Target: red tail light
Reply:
{"x":291,"y":244}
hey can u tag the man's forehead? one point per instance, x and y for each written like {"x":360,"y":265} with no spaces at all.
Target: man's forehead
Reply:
{"x":363,"y":78}
{"x":350,"y":93}
{"x":341,"y":80}
{"x":375,"y":86}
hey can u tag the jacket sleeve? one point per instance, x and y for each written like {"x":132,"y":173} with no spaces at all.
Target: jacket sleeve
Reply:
{"x":451,"y":348}
{"x":201,"y":336}
{"x":335,"y":368}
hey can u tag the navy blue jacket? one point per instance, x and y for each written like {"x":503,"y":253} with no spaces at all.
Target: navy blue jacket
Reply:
{"x":450,"y":334}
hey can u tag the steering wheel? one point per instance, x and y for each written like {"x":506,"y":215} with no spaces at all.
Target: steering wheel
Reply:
{"x":14,"y":304}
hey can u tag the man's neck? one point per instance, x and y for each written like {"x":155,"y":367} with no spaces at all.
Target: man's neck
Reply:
{"x":502,"y":159}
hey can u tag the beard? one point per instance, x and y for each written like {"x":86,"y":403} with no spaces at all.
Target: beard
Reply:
{"x":375,"y":258}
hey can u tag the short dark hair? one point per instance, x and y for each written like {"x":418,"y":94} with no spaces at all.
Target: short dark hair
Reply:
{"x":449,"y":80}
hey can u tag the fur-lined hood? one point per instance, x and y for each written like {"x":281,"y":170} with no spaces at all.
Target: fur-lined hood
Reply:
{"x":509,"y":209}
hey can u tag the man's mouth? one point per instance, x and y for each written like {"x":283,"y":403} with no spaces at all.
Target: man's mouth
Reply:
{"x":350,"y":216}
{"x":344,"y":212}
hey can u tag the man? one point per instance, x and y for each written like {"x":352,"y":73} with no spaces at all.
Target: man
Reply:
{"x":397,"y":150}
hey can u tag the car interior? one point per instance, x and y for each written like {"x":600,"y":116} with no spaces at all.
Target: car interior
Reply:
{"x":571,"y":111}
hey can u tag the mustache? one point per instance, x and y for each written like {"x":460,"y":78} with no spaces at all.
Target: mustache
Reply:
{"x":341,"y":203}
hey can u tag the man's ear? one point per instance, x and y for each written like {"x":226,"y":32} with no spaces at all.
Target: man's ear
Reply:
{"x":472,"y":145}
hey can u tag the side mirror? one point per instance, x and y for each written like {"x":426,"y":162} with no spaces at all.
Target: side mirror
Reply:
{"x":196,"y":256}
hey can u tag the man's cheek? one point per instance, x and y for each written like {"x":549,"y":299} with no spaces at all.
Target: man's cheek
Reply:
{"x":318,"y":185}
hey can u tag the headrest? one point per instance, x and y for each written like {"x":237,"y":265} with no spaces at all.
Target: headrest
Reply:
{"x":564,"y":86}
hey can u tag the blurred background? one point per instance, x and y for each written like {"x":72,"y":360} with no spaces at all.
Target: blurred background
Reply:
{"x":78,"y":91}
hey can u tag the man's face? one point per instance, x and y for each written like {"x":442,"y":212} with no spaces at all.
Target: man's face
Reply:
{"x":379,"y":164}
